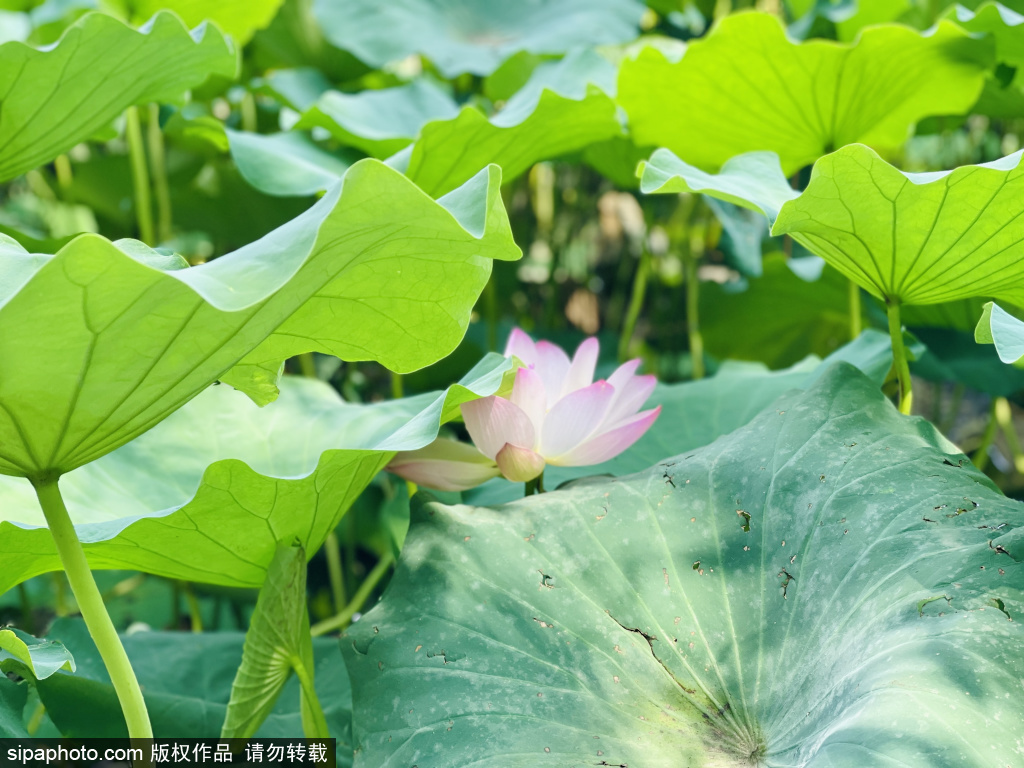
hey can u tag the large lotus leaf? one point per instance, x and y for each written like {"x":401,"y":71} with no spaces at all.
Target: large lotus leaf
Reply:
{"x":239,"y":18}
{"x":55,"y":97}
{"x":285,"y":164}
{"x":375,"y":270}
{"x":564,"y":107}
{"x":474,"y":36}
{"x":186,"y":679}
{"x":915,"y":238}
{"x":382,"y":122}
{"x":208,"y":494}
{"x":746,"y":87}
{"x":695,"y":413}
{"x":831,"y":585}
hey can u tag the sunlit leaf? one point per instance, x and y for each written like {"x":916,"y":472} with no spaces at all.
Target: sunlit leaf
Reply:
{"x":914,"y":238}
{"x":208,"y":494}
{"x":564,"y":107}
{"x":238,"y":18}
{"x":376,"y":270}
{"x":56,"y":97}
{"x":831,"y":585}
{"x":746,"y":87}
{"x":473,"y":35}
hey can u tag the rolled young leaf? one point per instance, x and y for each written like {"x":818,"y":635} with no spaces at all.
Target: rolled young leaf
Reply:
{"x":999,"y":327}
{"x":376,"y":270}
{"x":58,"y":96}
{"x":21,"y":653}
{"x":831,"y":585}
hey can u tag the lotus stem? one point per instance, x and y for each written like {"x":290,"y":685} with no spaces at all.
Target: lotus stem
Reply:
{"x":158,"y":162}
{"x":855,"y":311}
{"x":332,"y":550}
{"x":62,"y":167}
{"x":307,"y":365}
{"x":140,"y":176}
{"x":90,"y":603}
{"x":530,"y":487}
{"x":693,"y":315}
{"x":195,"y":615}
{"x":1004,"y":417}
{"x":318,"y":728}
{"x":636,"y":304}
{"x":980,"y":457}
{"x":344,"y":618}
{"x":899,"y":356}
{"x":397,"y":390}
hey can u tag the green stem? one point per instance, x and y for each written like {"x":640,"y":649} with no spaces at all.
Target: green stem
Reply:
{"x":332,"y":549}
{"x":158,"y":162}
{"x":397,"y":390}
{"x":60,"y":598}
{"x":855,"y":311}
{"x":140,"y":175}
{"x":248,"y":110}
{"x":530,"y":487}
{"x":26,"y":609}
{"x":980,"y":457}
{"x":636,"y":303}
{"x":307,"y":365}
{"x":491,"y":312}
{"x":90,"y":603}
{"x":693,"y":315}
{"x":358,"y":599}
{"x":899,"y":356}
{"x":36,"y":719}
{"x":195,"y":615}
{"x":318,"y":728}
{"x":1004,"y":417}
{"x":62,"y":167}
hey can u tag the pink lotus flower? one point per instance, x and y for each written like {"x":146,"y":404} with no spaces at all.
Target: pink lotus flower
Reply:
{"x":556,"y":414}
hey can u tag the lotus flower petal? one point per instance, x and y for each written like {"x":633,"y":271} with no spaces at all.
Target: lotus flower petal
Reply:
{"x":444,"y":465}
{"x":528,"y":394}
{"x":519,"y":464}
{"x":607,"y":445}
{"x":629,"y":397}
{"x":521,"y":345}
{"x":581,"y":371}
{"x":553,"y":366}
{"x":575,"y":417}
{"x":493,"y":421}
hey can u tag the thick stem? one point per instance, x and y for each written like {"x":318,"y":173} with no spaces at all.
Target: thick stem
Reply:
{"x":332,"y":549}
{"x":318,"y":729}
{"x":90,"y":603}
{"x":899,"y":356}
{"x":693,"y":315}
{"x":855,"y":310}
{"x":358,"y":599}
{"x":140,"y":175}
{"x":636,"y":303}
{"x":397,"y":390}
{"x":158,"y":162}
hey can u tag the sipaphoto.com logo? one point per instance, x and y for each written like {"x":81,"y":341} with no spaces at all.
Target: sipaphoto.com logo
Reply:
{"x":65,"y":755}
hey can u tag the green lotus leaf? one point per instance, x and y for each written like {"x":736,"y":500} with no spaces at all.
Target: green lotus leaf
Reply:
{"x":209,"y":493}
{"x":831,"y":585}
{"x":746,"y":87}
{"x":382,"y":122}
{"x":696,"y":413}
{"x":277,"y":644}
{"x":999,"y":327}
{"x":238,"y":18}
{"x":376,"y":270}
{"x":56,"y":97}
{"x":39,"y":658}
{"x":13,"y":697}
{"x":564,"y":107}
{"x":475,"y":36}
{"x":287,"y":164}
{"x":186,"y":679}
{"x":913,"y":238}
{"x":1005,"y":25}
